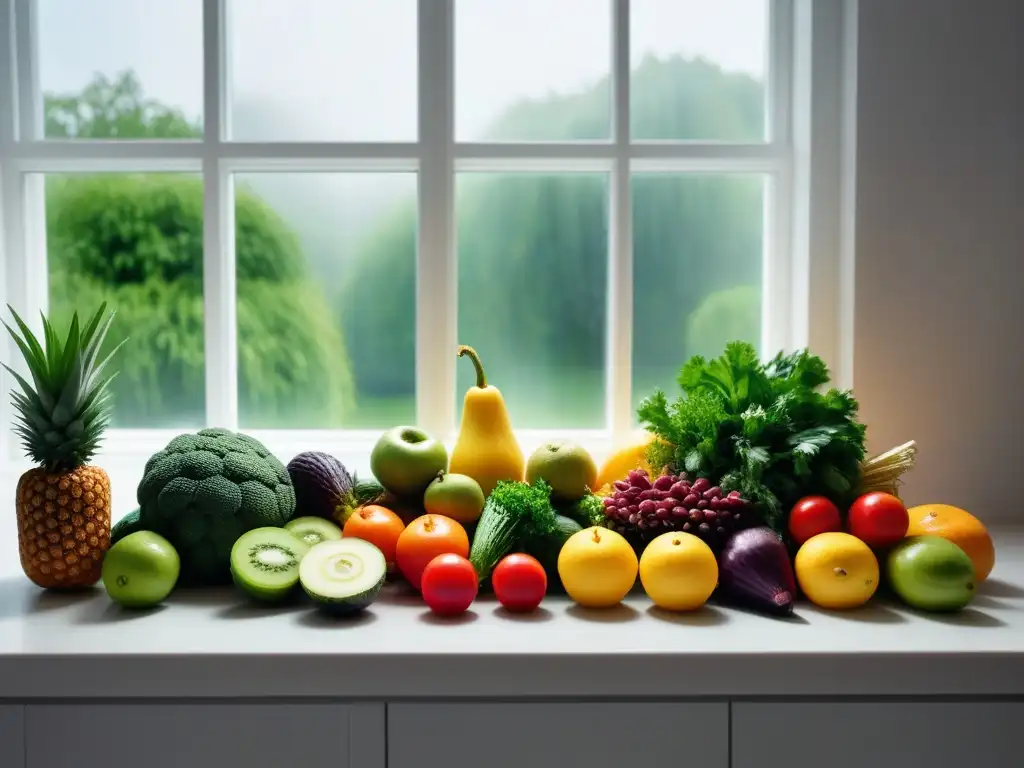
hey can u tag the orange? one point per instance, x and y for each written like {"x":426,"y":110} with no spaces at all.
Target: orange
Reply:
{"x":425,"y":538}
{"x":377,"y":525}
{"x":960,"y":527}
{"x":618,"y":465}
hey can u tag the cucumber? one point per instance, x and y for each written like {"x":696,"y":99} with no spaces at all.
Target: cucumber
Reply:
{"x":343,"y":576}
{"x":313,"y":530}
{"x":546,"y":549}
{"x":126,"y":526}
{"x":265,"y":562}
{"x":587,"y":511}
{"x":367,"y":491}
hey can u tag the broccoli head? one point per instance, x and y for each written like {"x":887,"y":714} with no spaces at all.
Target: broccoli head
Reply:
{"x":206,"y":489}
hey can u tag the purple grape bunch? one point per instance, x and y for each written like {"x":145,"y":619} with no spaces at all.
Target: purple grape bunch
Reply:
{"x":674,"y":503}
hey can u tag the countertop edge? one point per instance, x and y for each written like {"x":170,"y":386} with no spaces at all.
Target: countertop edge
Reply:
{"x":505,"y":676}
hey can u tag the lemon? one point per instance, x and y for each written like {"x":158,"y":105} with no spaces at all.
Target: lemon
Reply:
{"x":836,"y":570}
{"x":678,"y":571}
{"x":597,"y":567}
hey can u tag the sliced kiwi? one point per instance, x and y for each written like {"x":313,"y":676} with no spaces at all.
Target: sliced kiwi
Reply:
{"x":265,"y":562}
{"x":313,"y":530}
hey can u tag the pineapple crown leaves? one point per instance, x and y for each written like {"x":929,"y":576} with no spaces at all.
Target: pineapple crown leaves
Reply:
{"x":63,"y":412}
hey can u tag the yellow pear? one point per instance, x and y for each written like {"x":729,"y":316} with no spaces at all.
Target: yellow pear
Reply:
{"x":486,"y":449}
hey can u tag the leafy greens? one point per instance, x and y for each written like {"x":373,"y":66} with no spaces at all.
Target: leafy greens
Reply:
{"x":764,"y":429}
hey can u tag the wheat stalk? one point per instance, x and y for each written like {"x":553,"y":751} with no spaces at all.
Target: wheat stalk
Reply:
{"x":884,"y":472}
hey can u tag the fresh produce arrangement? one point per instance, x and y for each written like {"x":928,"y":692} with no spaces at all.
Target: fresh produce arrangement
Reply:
{"x":751,"y":488}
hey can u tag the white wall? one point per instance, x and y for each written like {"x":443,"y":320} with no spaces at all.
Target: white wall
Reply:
{"x":940,"y":244}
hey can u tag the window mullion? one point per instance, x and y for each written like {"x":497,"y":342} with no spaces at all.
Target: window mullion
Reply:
{"x":12,"y":262}
{"x":436,"y":265}
{"x":620,"y":272}
{"x":219,"y":294}
{"x":779,"y":90}
{"x":781,"y":312}
{"x":30,"y":97}
{"x":8,"y":91}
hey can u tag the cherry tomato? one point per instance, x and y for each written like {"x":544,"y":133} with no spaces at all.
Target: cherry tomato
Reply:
{"x":519,"y":582}
{"x":449,"y":584}
{"x":377,"y":525}
{"x":813,"y":515}
{"x":425,"y":538}
{"x":878,"y":519}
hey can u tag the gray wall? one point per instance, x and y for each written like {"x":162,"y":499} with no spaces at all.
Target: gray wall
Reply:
{"x":940,"y":217}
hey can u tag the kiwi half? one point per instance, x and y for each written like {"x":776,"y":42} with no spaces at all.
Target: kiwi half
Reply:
{"x":265,"y":562}
{"x":313,"y":530}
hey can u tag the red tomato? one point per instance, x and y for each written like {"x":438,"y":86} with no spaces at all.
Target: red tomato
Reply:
{"x":425,"y":538}
{"x":813,"y":515}
{"x":449,"y":584}
{"x":878,"y":519}
{"x":519,"y":582}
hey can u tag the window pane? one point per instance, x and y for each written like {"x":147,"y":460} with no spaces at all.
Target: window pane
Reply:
{"x":697,"y":254}
{"x":698,"y":69}
{"x":121,"y":69}
{"x":532,"y":70}
{"x":532,"y":286}
{"x":136,"y":242}
{"x":322,"y":70}
{"x":326,"y":272}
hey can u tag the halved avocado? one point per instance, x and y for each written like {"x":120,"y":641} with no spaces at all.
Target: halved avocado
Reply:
{"x":343,"y":576}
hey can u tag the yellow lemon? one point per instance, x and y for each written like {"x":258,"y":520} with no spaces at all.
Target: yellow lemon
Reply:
{"x":836,"y":570}
{"x":678,"y":571}
{"x":597,"y":567}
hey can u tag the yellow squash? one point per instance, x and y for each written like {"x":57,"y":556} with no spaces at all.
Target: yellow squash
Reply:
{"x":486,"y":449}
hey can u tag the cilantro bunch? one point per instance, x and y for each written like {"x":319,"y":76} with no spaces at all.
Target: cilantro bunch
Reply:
{"x":766,"y":430}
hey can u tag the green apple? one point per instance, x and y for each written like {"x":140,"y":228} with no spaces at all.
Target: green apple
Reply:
{"x":566,"y":467}
{"x":140,"y":570}
{"x":459,"y":497}
{"x":406,"y":460}
{"x":931,"y":573}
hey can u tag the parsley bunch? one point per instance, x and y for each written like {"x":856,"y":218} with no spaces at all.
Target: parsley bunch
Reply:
{"x":766,"y":430}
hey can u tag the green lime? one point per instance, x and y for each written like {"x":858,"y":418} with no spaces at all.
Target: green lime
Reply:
{"x":140,"y":570}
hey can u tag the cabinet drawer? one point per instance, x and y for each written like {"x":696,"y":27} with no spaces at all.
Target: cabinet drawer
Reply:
{"x":204,"y":735}
{"x":12,"y":736}
{"x":876,"y":734}
{"x":555,"y":735}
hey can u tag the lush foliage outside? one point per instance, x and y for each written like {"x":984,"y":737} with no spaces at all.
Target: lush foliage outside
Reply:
{"x":533,"y":275}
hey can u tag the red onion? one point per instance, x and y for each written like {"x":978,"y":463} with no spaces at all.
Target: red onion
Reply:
{"x":755,"y":571}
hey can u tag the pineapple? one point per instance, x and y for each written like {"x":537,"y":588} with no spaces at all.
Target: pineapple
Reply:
{"x":63,"y":503}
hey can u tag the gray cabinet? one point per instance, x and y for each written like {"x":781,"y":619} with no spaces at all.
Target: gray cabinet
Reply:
{"x":555,"y":735}
{"x":877,"y":734}
{"x":201,"y":735}
{"x":12,"y":736}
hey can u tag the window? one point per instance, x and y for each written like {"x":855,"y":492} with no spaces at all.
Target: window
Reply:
{"x":300,"y":208}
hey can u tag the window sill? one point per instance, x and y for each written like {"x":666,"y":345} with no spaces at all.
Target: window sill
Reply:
{"x":125,"y":452}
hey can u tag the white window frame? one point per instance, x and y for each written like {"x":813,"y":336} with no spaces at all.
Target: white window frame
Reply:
{"x":807,"y":161}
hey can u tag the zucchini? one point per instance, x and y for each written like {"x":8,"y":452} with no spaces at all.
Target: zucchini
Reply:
{"x":343,"y":576}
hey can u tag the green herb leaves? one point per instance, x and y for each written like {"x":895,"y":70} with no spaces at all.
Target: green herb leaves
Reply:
{"x":762,"y":429}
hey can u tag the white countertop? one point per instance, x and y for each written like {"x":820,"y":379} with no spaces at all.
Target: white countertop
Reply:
{"x":213,"y":643}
